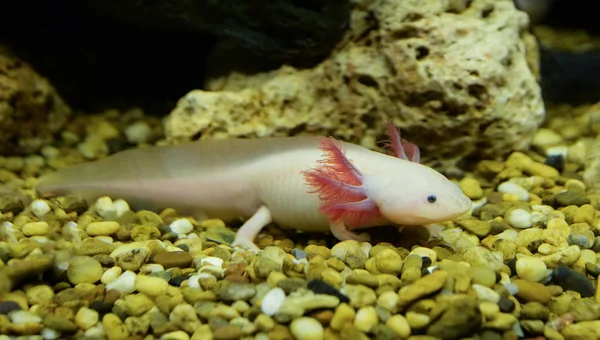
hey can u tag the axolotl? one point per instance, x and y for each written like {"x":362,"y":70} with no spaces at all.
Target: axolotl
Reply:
{"x":303,"y":183}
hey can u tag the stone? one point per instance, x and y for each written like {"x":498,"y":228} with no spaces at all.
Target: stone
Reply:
{"x":83,"y":269}
{"x":170,"y":259}
{"x":532,"y":291}
{"x":422,"y":287}
{"x":389,"y":67}
{"x":31,"y":110}
{"x":458,"y":321}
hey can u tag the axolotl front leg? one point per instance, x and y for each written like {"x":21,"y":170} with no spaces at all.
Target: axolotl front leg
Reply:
{"x":340,"y":187}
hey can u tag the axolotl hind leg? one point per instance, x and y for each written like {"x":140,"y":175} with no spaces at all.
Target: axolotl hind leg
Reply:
{"x":245,"y":236}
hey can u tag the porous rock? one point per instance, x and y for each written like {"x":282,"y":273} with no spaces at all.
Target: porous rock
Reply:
{"x":31,"y":111}
{"x":456,"y":76}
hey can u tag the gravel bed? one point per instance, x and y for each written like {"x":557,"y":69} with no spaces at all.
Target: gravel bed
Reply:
{"x":523,"y":264}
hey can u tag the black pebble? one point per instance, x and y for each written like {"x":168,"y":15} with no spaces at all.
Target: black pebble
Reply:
{"x":556,"y":161}
{"x":320,"y":287}
{"x":101,"y":307}
{"x":177,"y":280}
{"x":512,"y":263}
{"x":506,"y":305}
{"x":8,"y":306}
{"x":426,"y":262}
{"x":183,"y":247}
{"x":569,"y":279}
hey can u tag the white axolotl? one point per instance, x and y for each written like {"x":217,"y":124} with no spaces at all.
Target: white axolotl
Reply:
{"x":302,"y":183}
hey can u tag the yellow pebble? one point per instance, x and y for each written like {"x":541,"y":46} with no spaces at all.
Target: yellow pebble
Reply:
{"x":36,"y":228}
{"x":103,"y":228}
{"x":151,"y":285}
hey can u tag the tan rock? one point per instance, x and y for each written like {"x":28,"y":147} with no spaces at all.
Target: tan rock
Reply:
{"x":422,"y":64}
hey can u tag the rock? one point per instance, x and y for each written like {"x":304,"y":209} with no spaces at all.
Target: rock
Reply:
{"x":84,"y":269}
{"x":471,"y":187}
{"x":389,"y":65}
{"x":531,"y":268}
{"x":569,"y":279}
{"x":532,"y":291}
{"x":170,"y":259}
{"x":320,"y":287}
{"x":422,"y":287}
{"x":306,"y":328}
{"x":301,"y":301}
{"x":571,"y":198}
{"x":8,"y":306}
{"x":459,"y":320}
{"x":31,"y":110}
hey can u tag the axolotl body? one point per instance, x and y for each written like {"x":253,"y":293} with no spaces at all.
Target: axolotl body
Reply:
{"x":303,"y":183}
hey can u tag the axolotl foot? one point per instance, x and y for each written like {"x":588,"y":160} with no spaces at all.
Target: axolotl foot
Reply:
{"x":339,"y":230}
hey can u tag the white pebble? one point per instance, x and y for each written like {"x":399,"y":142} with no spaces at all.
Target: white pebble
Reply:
{"x":485,"y":293}
{"x":50,"y":334}
{"x":152,"y":268}
{"x":306,"y":328}
{"x":193,"y":281}
{"x":125,"y":283}
{"x":366,"y":318}
{"x":519,"y":218}
{"x":531,"y":268}
{"x":272,"y":301}
{"x":513,"y":188}
{"x":213,"y":261}
{"x":181,"y":226}
{"x":138,"y":132}
{"x":95,"y":332}
{"x":40,"y":208}
{"x":105,"y":207}
{"x":21,"y":316}
{"x":111,"y":274}
{"x":121,"y":207}
{"x":106,"y":239}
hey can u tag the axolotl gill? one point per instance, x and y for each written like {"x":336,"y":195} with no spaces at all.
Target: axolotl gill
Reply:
{"x":303,"y":183}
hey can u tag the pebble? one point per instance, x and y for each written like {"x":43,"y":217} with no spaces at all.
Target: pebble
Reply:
{"x":8,"y":306}
{"x":485,"y":293}
{"x":399,"y":325}
{"x":86,"y":318}
{"x":320,"y":287}
{"x":124,"y":284}
{"x":102,"y":228}
{"x":20,"y":317}
{"x":366,"y":319}
{"x":151,"y":285}
{"x":570,"y":279}
{"x":181,"y":226}
{"x":531,"y":268}
{"x":519,"y":218}
{"x":307,"y":328}
{"x":515,"y":189}
{"x":532,"y":291}
{"x":40,"y":208}
{"x":272,"y":301}
{"x":471,"y":187}
{"x":171,"y":259}
{"x":138,"y":133}
{"x":36,"y":228}
{"x":84,"y":269}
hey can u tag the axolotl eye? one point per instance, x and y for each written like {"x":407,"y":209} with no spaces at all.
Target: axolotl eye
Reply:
{"x":431,"y":198}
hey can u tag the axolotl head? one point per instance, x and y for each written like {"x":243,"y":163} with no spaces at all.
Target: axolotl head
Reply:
{"x":410,"y":193}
